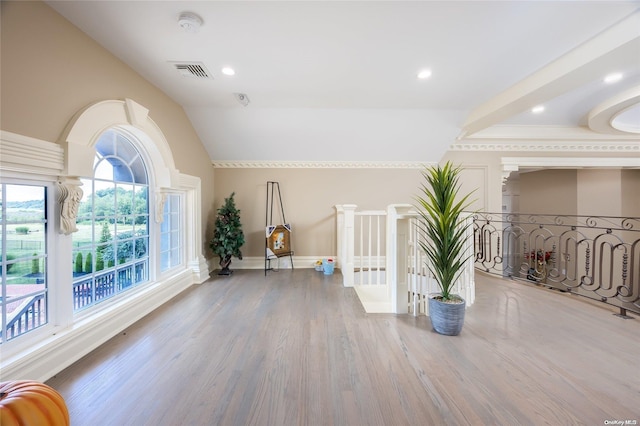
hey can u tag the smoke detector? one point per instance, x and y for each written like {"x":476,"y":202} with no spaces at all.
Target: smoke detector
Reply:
{"x":190,"y":22}
{"x":242,"y":98}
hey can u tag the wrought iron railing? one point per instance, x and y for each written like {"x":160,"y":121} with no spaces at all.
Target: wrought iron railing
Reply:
{"x":593,"y":256}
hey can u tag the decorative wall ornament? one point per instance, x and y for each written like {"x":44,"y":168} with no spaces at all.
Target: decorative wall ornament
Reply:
{"x":69,"y":196}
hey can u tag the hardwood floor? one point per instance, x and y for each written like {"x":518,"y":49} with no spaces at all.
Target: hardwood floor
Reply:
{"x":296,"y":348}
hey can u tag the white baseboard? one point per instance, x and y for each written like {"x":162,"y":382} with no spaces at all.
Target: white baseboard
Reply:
{"x":299,"y":262}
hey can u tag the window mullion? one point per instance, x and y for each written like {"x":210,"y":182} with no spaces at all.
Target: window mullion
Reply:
{"x":119,"y":173}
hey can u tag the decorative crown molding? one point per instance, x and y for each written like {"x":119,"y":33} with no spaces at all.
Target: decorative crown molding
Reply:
{"x":19,"y":153}
{"x":319,"y":165}
{"x":618,"y":147}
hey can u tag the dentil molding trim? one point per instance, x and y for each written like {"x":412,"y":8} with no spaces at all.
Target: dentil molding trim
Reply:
{"x":618,"y":147}
{"x":319,"y":164}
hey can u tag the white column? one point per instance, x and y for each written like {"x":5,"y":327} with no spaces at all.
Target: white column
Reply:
{"x":193,"y":211}
{"x":60,"y":265}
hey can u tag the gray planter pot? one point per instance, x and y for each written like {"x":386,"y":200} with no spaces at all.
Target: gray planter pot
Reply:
{"x":446,"y":318}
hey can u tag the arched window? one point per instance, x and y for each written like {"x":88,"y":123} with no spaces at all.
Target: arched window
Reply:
{"x":110,"y":219}
{"x":111,"y":247}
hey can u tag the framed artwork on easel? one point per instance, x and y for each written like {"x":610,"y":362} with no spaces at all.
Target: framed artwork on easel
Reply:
{"x":278,"y":239}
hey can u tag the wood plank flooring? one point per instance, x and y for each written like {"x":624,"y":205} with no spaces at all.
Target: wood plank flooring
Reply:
{"x":296,"y":348}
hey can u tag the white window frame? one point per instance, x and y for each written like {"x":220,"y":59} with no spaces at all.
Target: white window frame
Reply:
{"x":151,"y":261}
{"x":53,"y":291}
{"x":42,"y":353}
{"x":181,"y":236}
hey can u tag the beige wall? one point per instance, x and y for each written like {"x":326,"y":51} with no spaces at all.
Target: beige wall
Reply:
{"x":309,"y":197}
{"x":549,"y":192}
{"x":599,"y":192}
{"x":51,"y":70}
{"x":584,"y":192}
{"x":631,"y":193}
{"x":564,"y":193}
{"x":482,"y":172}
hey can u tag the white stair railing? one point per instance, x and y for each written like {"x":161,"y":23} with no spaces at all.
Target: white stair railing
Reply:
{"x":397,"y":276}
{"x":369,"y":251}
{"x":345,"y":220}
{"x":422,"y":283}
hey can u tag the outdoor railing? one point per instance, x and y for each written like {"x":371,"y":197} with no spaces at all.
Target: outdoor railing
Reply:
{"x":93,"y":289}
{"x":593,"y":256}
{"x":87,"y":290}
{"x":30,"y":315}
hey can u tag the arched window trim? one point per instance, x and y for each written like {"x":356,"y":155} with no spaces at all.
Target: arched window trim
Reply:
{"x":84,"y":130}
{"x":79,"y":140}
{"x":64,"y":163}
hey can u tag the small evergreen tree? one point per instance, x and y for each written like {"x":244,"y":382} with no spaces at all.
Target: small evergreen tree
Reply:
{"x":105,"y":235}
{"x":228,"y":236}
{"x":78,"y":266}
{"x":104,"y":252}
{"x":10,"y":257}
{"x":99,"y":261}
{"x":88,"y":263}
{"x":35,"y":265}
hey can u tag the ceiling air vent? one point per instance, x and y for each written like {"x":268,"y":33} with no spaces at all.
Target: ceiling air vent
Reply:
{"x":192,"y":69}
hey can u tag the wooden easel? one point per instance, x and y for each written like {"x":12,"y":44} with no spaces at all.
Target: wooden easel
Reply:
{"x":270,"y":254}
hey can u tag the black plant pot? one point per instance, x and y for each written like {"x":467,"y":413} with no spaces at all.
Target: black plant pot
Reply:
{"x":225,"y":263}
{"x":225,"y":271}
{"x":446,"y":318}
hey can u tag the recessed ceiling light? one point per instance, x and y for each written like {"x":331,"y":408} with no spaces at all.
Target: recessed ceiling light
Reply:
{"x":228,"y":71}
{"x":537,"y":109}
{"x":424,"y":74}
{"x":613,"y":77}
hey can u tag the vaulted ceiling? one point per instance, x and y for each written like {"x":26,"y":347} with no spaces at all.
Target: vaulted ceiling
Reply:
{"x":333,"y":80}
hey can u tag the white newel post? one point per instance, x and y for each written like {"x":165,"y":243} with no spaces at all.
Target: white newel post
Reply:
{"x":466,"y":285}
{"x":345,"y":215}
{"x":396,"y":257}
{"x":339,"y":236}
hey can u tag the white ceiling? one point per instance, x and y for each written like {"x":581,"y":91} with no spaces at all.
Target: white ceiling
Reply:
{"x":342,"y":75}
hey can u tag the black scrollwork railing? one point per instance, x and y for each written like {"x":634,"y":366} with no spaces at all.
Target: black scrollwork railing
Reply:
{"x":593,"y":256}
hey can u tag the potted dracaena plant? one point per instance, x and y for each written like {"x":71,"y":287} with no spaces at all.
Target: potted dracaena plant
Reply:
{"x":443,"y":228}
{"x":228,"y":236}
